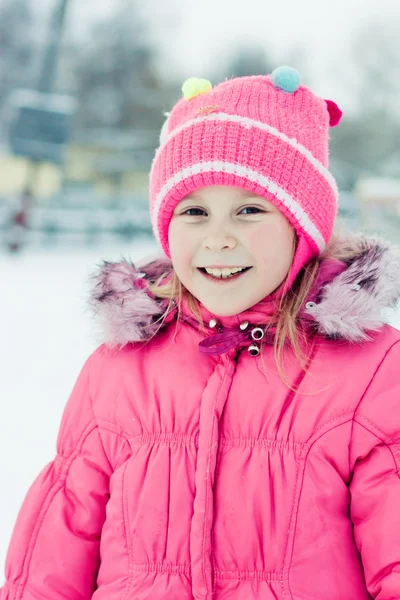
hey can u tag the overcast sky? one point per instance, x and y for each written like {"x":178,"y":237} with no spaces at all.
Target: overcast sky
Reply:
{"x":195,"y":34}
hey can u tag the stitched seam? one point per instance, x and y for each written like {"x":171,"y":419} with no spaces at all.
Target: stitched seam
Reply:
{"x":373,"y":376}
{"x":162,"y":568}
{"x":104,"y":425}
{"x":65,"y":464}
{"x":122,"y":436}
{"x":167,"y":438}
{"x":120,"y":452}
{"x":355,"y":415}
{"x":11,"y":589}
{"x":349,"y":413}
{"x":247,"y":574}
{"x":258,"y":442}
{"x":208,"y":467}
{"x":124,"y":506}
{"x":386,"y":437}
{"x":353,"y":412}
{"x":387,"y":442}
{"x":207,"y":486}
{"x":113,"y":427}
{"x":295,"y":513}
{"x":293,"y":509}
{"x":239,"y":574}
{"x":283,"y":587}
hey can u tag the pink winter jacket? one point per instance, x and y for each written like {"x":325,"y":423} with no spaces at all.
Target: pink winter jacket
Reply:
{"x":181,"y":474}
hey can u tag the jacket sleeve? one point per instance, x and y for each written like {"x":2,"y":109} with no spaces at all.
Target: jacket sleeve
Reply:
{"x":54,"y":549}
{"x":375,"y":485}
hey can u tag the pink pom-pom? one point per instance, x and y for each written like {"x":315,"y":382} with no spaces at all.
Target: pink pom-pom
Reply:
{"x":335,"y":113}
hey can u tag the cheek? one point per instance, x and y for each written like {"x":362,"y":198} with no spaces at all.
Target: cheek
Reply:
{"x":273,"y":240}
{"x":180,"y":245}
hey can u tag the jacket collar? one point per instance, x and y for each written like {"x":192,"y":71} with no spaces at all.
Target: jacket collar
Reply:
{"x":346,"y":302}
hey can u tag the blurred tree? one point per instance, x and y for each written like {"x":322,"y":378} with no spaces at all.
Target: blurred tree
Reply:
{"x":255,"y":60}
{"x":376,"y":64}
{"x":17,"y":46}
{"x":366,"y":140}
{"x":113,"y":73}
{"x":245,"y":60}
{"x":362,"y":144}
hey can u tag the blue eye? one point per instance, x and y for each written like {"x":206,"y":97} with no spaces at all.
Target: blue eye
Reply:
{"x":199,"y":212}
{"x":254,"y":210}
{"x":193,"y":214}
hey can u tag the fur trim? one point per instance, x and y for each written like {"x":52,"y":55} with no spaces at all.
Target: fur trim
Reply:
{"x":354,"y":285}
{"x":351,"y":306}
{"x":125,"y":309}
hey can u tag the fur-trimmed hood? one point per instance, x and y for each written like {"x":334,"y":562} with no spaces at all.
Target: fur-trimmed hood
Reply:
{"x":347,"y":301}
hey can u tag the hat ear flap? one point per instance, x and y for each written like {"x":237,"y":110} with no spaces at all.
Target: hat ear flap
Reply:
{"x":164,"y":129}
{"x":335,"y":114}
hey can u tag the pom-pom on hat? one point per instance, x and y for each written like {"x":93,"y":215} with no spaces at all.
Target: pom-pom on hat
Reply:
{"x":267,"y":134}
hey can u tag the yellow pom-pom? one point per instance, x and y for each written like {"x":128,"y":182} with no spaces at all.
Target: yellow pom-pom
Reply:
{"x":194,"y":86}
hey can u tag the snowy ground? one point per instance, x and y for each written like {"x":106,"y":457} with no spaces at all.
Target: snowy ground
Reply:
{"x":46,"y":336}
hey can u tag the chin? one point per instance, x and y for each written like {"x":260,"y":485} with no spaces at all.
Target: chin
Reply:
{"x":228,"y":311}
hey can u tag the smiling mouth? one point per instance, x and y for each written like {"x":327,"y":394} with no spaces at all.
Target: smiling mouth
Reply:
{"x":221,"y":277}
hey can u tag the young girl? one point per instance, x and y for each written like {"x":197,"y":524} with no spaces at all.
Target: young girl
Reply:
{"x":238,"y":434}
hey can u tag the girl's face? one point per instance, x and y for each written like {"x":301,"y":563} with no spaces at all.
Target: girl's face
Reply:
{"x":219,"y":228}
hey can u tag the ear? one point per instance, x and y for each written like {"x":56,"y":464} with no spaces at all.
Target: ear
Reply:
{"x":335,"y":114}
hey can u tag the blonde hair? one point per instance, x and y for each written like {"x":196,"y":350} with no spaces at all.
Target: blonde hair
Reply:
{"x":288,"y":332}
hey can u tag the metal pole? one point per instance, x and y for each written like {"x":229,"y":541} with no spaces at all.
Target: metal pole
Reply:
{"x":49,"y":66}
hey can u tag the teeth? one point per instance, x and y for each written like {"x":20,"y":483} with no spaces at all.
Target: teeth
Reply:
{"x":224,"y":273}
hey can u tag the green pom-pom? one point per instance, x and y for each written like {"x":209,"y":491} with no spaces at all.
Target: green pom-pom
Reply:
{"x":194,"y":86}
{"x":286,"y":79}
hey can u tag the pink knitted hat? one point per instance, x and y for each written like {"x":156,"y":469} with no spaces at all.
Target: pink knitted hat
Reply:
{"x":266,"y":134}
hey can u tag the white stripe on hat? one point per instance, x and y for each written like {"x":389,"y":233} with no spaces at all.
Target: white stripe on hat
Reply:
{"x":223,"y":167}
{"x":247,"y":123}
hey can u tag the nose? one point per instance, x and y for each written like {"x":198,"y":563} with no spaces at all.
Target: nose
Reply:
{"x":219,"y":239}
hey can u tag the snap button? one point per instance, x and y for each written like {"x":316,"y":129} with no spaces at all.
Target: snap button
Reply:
{"x":253,"y":350}
{"x":257,"y":333}
{"x":212,"y":323}
{"x":244,"y":325}
{"x":310,"y":305}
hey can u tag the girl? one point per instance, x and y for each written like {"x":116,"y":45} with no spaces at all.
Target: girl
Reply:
{"x":238,"y":434}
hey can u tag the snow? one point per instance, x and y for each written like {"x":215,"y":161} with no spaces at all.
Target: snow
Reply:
{"x":46,"y":337}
